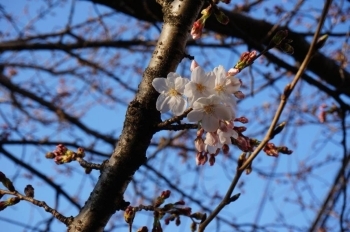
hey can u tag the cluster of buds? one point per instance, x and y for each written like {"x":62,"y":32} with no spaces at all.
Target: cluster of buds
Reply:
{"x":243,"y":142}
{"x":209,"y":148}
{"x":174,"y":210}
{"x":246,"y":59}
{"x":197,"y":28}
{"x":271,"y":150}
{"x":160,"y":200}
{"x":63,"y":155}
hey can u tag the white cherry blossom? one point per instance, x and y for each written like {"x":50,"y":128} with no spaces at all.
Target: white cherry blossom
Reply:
{"x":224,"y":87}
{"x":208,"y":111}
{"x":201,"y":85}
{"x":171,"y":92}
{"x":225,"y":132}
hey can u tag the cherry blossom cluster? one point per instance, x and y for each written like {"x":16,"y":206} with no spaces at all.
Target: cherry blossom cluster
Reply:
{"x":212,"y":98}
{"x":63,"y":155}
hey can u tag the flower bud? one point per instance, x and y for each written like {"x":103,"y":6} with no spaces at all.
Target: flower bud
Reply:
{"x":193,"y":227}
{"x":29,"y":191}
{"x":50,"y":155}
{"x":177,"y":221}
{"x":143,"y":229}
{"x":80,"y":152}
{"x":232,"y":71}
{"x":129,"y":214}
{"x":194,"y":65}
{"x":165,"y":194}
{"x":212,"y":160}
{"x":196,"y":30}
{"x":243,"y":120}
{"x":199,"y":144}
{"x":239,"y":95}
{"x":225,"y":149}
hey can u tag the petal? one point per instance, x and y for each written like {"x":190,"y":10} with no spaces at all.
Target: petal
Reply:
{"x":171,"y":77}
{"x":210,"y":123}
{"x":220,"y":74}
{"x":222,"y":112}
{"x":180,"y":84}
{"x":214,"y":99}
{"x":195,"y":115}
{"x":198,"y":75}
{"x":210,"y":80}
{"x":162,"y":104}
{"x":189,"y":89}
{"x":177,"y":105}
{"x":200,"y":103}
{"x":160,"y":84}
{"x":211,"y":149}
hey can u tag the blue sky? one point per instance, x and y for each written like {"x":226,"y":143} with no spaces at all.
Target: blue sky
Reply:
{"x":310,"y":143}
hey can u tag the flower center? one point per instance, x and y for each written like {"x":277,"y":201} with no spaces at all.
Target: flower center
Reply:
{"x":209,"y":109}
{"x":172,"y":92}
{"x":200,"y":88}
{"x":219,"y":88}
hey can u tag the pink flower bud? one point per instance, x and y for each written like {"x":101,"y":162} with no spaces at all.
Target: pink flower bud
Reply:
{"x":197,"y":28}
{"x":200,"y":132}
{"x":232,"y":71}
{"x":225,"y":149}
{"x":194,"y":65}
{"x":239,"y":95}
{"x":241,"y":120}
{"x":199,"y":144}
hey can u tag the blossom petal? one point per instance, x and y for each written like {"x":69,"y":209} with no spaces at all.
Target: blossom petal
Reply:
{"x":177,"y":105}
{"x":171,"y":77}
{"x":220,"y":74}
{"x":162,"y":104}
{"x":195,"y":115}
{"x":222,"y":112}
{"x":160,"y":84}
{"x":189,"y":89}
{"x":180,"y":84}
{"x":198,"y":75}
{"x":209,"y":123}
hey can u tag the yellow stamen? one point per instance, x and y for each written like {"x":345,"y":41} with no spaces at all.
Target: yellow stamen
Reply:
{"x":200,"y":88}
{"x":209,"y":109}
{"x":173,"y":93}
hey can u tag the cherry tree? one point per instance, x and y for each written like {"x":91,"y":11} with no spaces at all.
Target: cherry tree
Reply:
{"x":143,"y":115}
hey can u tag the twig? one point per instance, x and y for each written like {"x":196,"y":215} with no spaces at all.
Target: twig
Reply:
{"x":55,"y":213}
{"x":287,"y":91}
{"x":172,"y":120}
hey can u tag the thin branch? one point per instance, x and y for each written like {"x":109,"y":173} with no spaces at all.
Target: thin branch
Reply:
{"x":42,"y":204}
{"x":289,"y":88}
{"x":40,"y":175}
{"x":6,"y":82}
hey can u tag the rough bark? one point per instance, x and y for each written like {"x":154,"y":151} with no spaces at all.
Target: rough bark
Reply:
{"x":140,"y":120}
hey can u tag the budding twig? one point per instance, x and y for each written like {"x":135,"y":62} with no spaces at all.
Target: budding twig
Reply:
{"x":42,"y":204}
{"x":269,"y":134}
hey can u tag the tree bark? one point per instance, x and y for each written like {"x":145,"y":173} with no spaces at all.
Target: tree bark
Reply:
{"x":140,"y":120}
